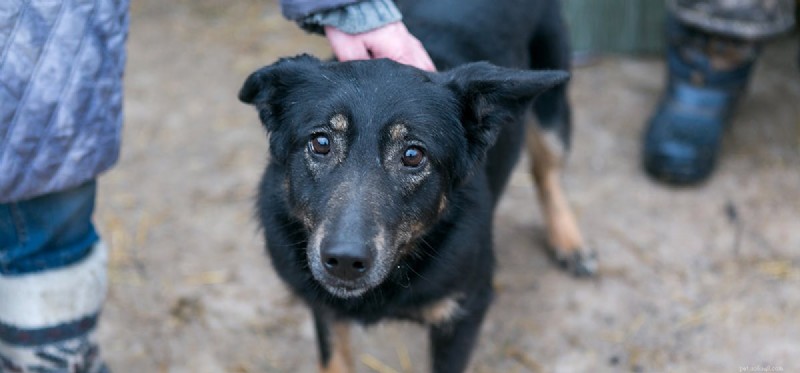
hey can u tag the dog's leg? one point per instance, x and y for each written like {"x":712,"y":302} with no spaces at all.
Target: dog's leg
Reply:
{"x":333,"y":339}
{"x":563,"y":235}
{"x":548,"y":140}
{"x":452,"y":341}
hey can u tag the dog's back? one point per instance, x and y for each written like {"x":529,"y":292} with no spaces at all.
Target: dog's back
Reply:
{"x":456,"y":32}
{"x":524,"y":34}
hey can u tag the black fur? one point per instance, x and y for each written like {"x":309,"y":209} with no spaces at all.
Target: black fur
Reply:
{"x":417,"y":234}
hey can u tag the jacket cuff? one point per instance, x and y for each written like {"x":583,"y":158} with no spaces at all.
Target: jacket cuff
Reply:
{"x":354,"y":18}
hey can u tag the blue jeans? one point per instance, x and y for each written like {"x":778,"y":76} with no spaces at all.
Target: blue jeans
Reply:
{"x":47,"y":232}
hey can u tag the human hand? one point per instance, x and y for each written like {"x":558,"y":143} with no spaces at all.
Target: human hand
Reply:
{"x":392,"y":41}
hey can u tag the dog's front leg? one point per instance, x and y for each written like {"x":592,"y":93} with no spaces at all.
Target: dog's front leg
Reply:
{"x":452,"y":342}
{"x":333,"y":340}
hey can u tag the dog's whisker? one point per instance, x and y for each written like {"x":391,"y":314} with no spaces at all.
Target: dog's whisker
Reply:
{"x":416,"y":273}
{"x":294,"y":244}
{"x":433,"y":251}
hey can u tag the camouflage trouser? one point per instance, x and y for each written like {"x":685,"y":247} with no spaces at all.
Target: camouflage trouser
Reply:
{"x":744,"y":19}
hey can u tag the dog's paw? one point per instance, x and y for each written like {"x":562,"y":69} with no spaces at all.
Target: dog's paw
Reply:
{"x":580,"y":262}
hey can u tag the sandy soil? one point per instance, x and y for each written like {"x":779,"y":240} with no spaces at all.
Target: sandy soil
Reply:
{"x":691,"y":279}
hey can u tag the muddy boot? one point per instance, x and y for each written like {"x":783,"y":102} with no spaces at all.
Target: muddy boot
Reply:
{"x":707,"y":75}
{"x":713,"y":45}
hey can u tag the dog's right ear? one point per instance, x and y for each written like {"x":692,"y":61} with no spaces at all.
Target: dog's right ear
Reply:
{"x":265,"y":88}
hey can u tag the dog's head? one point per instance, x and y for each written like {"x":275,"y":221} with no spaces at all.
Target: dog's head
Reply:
{"x":371,"y":150}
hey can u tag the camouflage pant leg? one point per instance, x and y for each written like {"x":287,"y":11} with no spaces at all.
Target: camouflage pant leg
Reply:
{"x":744,"y":19}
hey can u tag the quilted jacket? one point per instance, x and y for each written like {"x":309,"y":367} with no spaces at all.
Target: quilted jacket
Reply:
{"x":61,"y":67}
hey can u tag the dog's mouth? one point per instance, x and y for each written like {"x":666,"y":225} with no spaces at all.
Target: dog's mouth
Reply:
{"x":349,"y":265}
{"x":343,"y":290}
{"x":343,"y":287}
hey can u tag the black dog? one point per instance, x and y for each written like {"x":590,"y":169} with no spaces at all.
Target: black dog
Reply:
{"x":379,"y":195}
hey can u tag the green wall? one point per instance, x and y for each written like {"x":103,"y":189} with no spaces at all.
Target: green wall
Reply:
{"x":617,"y":26}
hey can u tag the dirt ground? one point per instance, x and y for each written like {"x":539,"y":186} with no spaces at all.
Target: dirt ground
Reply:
{"x":702,"y":279}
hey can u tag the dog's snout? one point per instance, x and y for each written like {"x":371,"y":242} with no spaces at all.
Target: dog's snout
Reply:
{"x":347,"y":261}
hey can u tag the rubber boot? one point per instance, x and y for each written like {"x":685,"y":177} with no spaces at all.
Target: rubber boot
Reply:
{"x":48,"y":319}
{"x":707,"y":75}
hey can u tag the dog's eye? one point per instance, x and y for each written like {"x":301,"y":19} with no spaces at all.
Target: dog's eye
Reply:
{"x":413,"y":156}
{"x":320,"y":144}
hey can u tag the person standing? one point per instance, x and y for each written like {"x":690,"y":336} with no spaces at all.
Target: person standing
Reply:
{"x":61,"y":69}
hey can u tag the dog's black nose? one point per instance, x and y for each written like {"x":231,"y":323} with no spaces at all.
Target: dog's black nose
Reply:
{"x":347,"y":261}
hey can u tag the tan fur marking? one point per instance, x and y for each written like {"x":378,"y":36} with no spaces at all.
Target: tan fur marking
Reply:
{"x":441,"y":311}
{"x":417,"y":228}
{"x":339,"y":123}
{"x":341,"y":357}
{"x":442,"y":204}
{"x":562,"y":228}
{"x":380,"y":239}
{"x":398,"y":132}
{"x":307,"y":220}
{"x":407,"y":231}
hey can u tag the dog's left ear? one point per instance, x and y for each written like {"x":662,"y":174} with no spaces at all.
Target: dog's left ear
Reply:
{"x":491,"y":96}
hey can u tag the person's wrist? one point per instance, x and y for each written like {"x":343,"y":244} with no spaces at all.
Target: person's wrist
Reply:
{"x":355,"y":18}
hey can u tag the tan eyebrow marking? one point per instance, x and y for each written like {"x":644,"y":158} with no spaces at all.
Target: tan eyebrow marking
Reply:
{"x":398,"y":131}
{"x":339,"y":122}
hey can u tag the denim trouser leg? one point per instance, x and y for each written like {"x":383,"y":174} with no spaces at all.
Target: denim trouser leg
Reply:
{"x":52,"y":283}
{"x":45,"y":232}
